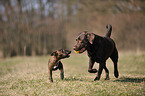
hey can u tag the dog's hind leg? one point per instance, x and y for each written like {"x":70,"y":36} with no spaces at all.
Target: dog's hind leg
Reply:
{"x":107,"y":72}
{"x":114,"y":58}
{"x":61,"y":70}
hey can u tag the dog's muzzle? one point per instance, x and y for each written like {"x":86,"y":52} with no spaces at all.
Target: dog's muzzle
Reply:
{"x":80,"y":50}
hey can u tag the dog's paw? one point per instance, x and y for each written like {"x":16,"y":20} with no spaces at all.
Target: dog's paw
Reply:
{"x":97,"y":78}
{"x":95,"y":70}
{"x":51,"y":81}
{"x":116,"y":74}
{"x":62,"y":75}
{"x":107,"y":76}
{"x":92,"y":70}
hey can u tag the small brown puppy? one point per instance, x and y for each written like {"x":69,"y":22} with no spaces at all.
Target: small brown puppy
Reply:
{"x":55,"y":63}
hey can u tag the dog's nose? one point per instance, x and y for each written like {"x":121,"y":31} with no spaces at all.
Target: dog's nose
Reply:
{"x":69,"y":52}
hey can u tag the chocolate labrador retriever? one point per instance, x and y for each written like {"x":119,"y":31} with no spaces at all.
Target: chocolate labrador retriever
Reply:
{"x":99,"y":49}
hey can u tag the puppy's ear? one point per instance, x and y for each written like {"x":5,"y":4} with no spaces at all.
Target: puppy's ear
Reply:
{"x":91,"y":37}
{"x":54,"y":54}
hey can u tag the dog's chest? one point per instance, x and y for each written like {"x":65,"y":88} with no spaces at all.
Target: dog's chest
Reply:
{"x":95,"y":57}
{"x":52,"y":61}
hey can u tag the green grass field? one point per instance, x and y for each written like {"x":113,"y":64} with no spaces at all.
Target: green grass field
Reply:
{"x":27,"y":76}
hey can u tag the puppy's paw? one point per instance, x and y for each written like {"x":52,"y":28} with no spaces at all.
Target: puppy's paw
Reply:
{"x":62,"y":75}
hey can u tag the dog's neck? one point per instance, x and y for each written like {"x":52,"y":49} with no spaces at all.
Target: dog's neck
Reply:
{"x":92,"y":48}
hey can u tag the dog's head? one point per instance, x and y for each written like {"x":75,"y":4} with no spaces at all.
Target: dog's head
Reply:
{"x":83,"y":40}
{"x":61,"y":54}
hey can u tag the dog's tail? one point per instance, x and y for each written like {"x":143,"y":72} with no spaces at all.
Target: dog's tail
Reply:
{"x":109,"y":29}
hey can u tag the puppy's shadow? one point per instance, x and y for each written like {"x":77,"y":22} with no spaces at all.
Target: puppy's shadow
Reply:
{"x":74,"y":79}
{"x":128,"y":79}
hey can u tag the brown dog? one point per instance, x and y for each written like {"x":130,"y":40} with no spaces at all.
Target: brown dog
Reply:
{"x":99,"y":49}
{"x":55,"y":63}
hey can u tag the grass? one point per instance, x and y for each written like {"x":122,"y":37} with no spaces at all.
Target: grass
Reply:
{"x":28,"y":76}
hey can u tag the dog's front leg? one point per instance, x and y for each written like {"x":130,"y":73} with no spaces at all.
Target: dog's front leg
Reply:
{"x":61,"y":70}
{"x":101,"y":66}
{"x":50,"y":75}
{"x":91,"y":64}
{"x":61,"y":74}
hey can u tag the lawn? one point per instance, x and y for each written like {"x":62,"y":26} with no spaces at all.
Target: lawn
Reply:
{"x":27,"y":76}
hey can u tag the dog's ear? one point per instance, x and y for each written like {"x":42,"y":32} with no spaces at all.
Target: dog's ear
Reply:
{"x":91,"y":37}
{"x":54,"y":54}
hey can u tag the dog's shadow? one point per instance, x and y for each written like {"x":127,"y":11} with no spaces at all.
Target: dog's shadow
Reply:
{"x":128,"y":79}
{"x":121,"y":79}
{"x":76,"y":78}
{"x":73,"y":79}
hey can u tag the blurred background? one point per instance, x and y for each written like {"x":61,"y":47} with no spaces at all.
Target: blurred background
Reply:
{"x":38,"y":27}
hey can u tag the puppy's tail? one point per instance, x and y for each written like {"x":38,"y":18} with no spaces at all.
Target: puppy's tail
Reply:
{"x":109,"y":29}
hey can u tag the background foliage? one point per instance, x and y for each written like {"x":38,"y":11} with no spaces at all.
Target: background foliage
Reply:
{"x":38,"y":27}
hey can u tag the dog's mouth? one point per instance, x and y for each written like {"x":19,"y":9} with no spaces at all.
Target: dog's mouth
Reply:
{"x":68,"y":54}
{"x":65,"y":56}
{"x":80,"y":51}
